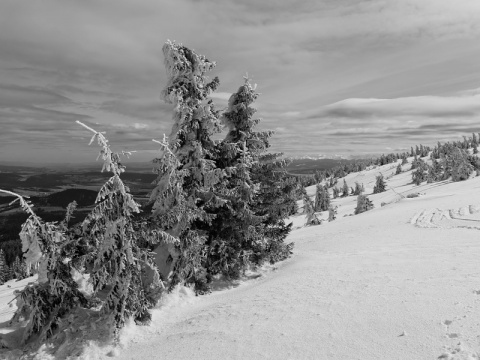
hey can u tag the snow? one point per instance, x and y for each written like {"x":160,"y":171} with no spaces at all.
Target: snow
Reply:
{"x":401,"y":281}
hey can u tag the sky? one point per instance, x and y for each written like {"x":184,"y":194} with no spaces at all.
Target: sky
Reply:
{"x":335,"y":77}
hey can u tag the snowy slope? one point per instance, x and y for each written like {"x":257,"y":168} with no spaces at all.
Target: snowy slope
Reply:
{"x":401,"y":281}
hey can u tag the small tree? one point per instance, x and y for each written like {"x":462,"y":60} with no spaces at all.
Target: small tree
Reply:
{"x":332,"y":213}
{"x":363,"y":204}
{"x":358,"y":189}
{"x":309,"y":211}
{"x":399,"y":169}
{"x":322,"y":198}
{"x":345,"y":189}
{"x":3,"y":266}
{"x":419,"y":175}
{"x":380,"y":185}
{"x":336,"y":192}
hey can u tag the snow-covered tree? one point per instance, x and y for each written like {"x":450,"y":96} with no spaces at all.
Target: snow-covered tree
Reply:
{"x":3,"y":267}
{"x":322,"y":198}
{"x":420,"y":173}
{"x":332,"y":213}
{"x":187,"y":170}
{"x":363,"y":204}
{"x":345,"y":189}
{"x":359,"y":189}
{"x":380,"y":185}
{"x":398,"y":169}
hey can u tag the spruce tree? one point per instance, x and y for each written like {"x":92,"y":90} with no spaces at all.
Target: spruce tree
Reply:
{"x":358,"y":189}
{"x":187,"y":170}
{"x":419,"y":175}
{"x":332,"y":213}
{"x":3,"y":268}
{"x":380,"y":185}
{"x":345,"y":189}
{"x":322,"y":198}
{"x":249,"y":228}
{"x":363,"y":204}
{"x":399,"y":169}
{"x":309,"y":211}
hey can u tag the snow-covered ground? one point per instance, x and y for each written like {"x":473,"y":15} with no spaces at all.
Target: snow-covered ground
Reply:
{"x":401,"y":281}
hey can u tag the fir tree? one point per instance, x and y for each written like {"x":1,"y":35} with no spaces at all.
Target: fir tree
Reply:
{"x":363,"y":204}
{"x":345,"y":189}
{"x":249,"y":228}
{"x":380,"y":185}
{"x":336,"y":192}
{"x":3,"y":266}
{"x":399,"y":169}
{"x":358,"y":189}
{"x":322,"y":198}
{"x":187,"y":170}
{"x":309,"y":211}
{"x":420,"y":173}
{"x":332,"y":213}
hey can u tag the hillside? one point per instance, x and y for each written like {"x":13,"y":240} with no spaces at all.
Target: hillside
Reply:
{"x":398,"y":282}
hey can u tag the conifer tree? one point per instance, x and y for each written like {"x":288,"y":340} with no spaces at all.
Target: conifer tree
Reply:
{"x":336,"y":192}
{"x":250,"y":227}
{"x":399,"y":169}
{"x":434,"y":171}
{"x":404,"y":161}
{"x":332,"y":213}
{"x":187,"y":170}
{"x":380,"y":185}
{"x":420,"y":173}
{"x":3,"y":266}
{"x":309,"y":211}
{"x":363,"y":204}
{"x":344,"y":189}
{"x":358,"y":189}
{"x":322,"y":198}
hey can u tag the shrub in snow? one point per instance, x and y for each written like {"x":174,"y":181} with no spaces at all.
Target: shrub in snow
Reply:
{"x":363,"y":204}
{"x":332,"y":213}
{"x":380,"y":185}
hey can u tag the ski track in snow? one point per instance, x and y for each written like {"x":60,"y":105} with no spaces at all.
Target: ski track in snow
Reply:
{"x":467,"y":217}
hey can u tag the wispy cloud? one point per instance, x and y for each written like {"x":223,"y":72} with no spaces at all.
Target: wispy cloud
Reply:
{"x":102,"y":62}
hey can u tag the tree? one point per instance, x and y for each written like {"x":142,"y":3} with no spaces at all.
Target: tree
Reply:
{"x":419,"y":175}
{"x":363,"y":204}
{"x":309,"y":211}
{"x":399,"y":169}
{"x":345,"y":189}
{"x":380,"y":185}
{"x":336,"y":192}
{"x":249,"y":228}
{"x":3,"y":267}
{"x":322,"y":198}
{"x":332,"y":213}
{"x":358,"y":189}
{"x":188,"y":174}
